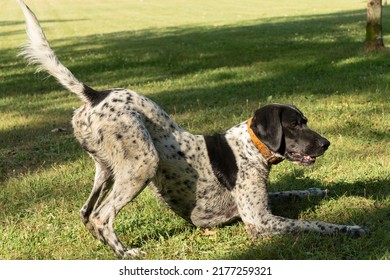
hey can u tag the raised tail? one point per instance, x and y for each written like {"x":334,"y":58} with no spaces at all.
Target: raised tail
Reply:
{"x":37,"y":51}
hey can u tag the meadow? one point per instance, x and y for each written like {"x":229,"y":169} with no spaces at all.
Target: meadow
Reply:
{"x":209,"y":65}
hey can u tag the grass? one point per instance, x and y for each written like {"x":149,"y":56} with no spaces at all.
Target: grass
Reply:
{"x":209,"y":64}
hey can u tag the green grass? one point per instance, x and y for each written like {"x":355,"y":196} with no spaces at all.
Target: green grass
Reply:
{"x":209,"y":64}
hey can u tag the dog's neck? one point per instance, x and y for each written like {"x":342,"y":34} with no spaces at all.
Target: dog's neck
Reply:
{"x":271,"y":157}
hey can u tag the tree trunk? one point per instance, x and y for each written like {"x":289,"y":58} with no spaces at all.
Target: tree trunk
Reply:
{"x":374,"y":39}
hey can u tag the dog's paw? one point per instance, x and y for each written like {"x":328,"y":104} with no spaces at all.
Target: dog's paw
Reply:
{"x":357,"y":231}
{"x":133,"y":253}
{"x":317,"y":192}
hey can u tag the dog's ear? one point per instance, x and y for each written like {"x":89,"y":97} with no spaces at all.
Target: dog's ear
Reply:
{"x":267,"y":126}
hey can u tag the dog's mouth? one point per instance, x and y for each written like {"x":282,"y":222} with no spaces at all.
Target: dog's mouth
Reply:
{"x":300,"y":159}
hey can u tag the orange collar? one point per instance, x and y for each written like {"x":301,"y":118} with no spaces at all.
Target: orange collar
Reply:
{"x":264,"y":151}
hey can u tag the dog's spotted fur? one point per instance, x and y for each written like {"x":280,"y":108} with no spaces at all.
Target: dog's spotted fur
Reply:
{"x":207,"y":180}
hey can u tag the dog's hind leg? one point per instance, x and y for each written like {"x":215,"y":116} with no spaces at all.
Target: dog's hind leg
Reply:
{"x":100,"y":188}
{"x":136,"y":162}
{"x":126,"y":187}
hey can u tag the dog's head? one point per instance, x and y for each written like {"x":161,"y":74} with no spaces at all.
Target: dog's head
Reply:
{"x":283,"y":129}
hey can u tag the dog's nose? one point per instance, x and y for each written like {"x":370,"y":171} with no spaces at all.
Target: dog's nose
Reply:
{"x":325,"y":143}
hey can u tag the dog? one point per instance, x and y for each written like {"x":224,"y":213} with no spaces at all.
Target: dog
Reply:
{"x":207,"y":180}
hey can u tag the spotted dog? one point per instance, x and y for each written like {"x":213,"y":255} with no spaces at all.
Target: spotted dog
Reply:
{"x":207,"y":180}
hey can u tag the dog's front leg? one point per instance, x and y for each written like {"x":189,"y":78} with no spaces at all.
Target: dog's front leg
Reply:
{"x":301,"y":194}
{"x":252,"y":203}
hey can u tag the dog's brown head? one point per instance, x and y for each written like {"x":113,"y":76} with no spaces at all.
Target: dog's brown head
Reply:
{"x":283,"y":129}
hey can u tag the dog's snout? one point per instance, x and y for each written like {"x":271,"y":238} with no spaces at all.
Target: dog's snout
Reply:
{"x":324,"y":143}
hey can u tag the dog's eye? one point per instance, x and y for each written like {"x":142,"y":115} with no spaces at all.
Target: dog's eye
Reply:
{"x":294,"y":124}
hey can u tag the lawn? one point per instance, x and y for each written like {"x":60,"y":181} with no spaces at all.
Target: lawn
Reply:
{"x":209,"y":64}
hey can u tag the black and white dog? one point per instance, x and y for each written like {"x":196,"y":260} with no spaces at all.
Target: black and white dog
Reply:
{"x":207,"y":180}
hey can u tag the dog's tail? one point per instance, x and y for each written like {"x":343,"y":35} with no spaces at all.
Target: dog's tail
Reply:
{"x":37,"y":51}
